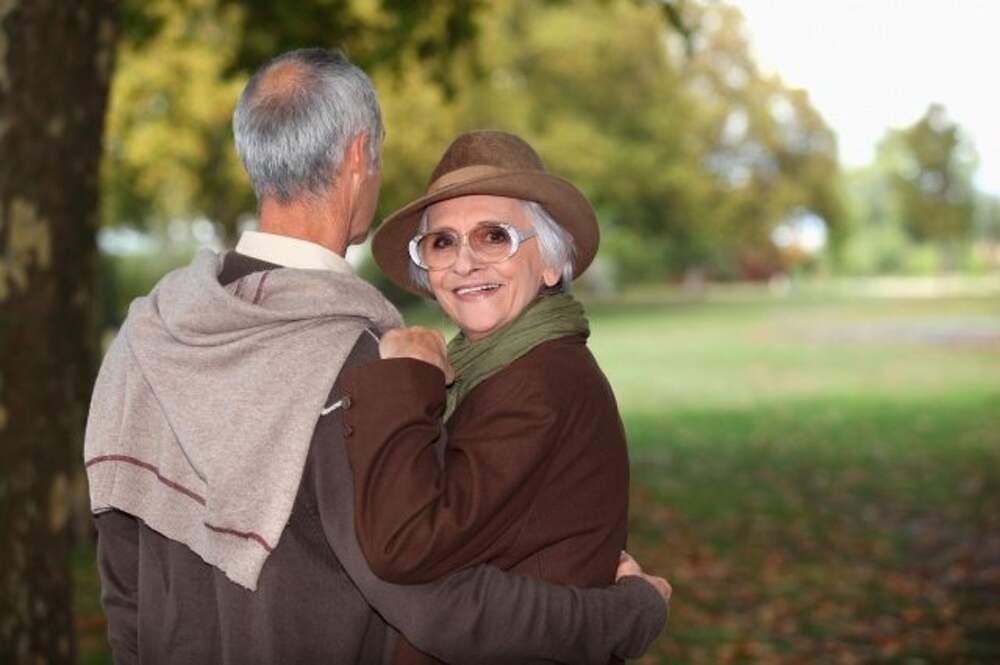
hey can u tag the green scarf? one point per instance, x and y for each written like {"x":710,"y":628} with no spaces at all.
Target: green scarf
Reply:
{"x":547,"y":317}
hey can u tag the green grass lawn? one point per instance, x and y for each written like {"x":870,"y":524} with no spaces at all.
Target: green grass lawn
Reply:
{"x":819,"y":478}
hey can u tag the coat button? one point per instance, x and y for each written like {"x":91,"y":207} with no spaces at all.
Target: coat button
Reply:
{"x":348,"y":430}
{"x":346,"y":402}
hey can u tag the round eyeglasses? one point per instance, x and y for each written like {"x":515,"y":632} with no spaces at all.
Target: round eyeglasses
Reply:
{"x":491,"y":242}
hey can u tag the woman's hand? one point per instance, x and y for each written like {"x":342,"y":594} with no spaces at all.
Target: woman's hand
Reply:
{"x":420,"y":343}
{"x":629,"y":566}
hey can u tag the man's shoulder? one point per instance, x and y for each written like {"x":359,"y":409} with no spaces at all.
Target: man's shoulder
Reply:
{"x":236,"y":265}
{"x":364,"y":351}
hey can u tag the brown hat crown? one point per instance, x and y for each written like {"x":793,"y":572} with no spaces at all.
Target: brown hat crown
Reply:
{"x":500,"y":150}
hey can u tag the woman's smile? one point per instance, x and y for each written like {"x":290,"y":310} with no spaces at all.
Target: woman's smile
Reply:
{"x":477,"y":291}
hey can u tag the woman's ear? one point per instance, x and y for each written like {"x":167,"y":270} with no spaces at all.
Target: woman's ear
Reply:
{"x":550,"y":277}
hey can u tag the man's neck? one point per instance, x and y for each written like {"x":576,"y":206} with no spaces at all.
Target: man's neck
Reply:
{"x":319,"y":223}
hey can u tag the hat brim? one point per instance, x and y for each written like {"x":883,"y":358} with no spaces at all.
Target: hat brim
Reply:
{"x":564,"y":202}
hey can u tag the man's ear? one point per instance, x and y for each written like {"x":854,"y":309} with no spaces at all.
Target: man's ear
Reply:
{"x":357,"y":155}
{"x":550,"y":277}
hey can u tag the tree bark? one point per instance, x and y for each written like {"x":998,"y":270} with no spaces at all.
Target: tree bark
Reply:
{"x":56,"y":59}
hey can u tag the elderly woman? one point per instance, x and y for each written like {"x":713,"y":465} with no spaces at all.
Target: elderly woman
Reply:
{"x":522,"y":461}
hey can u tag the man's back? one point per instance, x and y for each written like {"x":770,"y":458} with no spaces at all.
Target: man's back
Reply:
{"x":305,"y":608}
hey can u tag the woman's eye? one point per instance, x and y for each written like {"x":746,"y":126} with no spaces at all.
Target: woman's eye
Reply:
{"x":442,"y":241}
{"x":497,"y":236}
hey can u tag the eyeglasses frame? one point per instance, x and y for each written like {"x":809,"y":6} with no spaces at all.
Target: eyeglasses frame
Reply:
{"x":517,"y":237}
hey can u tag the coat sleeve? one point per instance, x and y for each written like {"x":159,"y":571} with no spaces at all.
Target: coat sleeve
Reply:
{"x":118,"y":566}
{"x":418,"y":519}
{"x":482,"y":614}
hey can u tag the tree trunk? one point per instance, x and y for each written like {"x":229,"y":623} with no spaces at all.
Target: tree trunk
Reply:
{"x":56,"y":58}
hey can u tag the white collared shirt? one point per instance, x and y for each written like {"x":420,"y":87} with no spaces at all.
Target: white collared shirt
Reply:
{"x":291,"y":252}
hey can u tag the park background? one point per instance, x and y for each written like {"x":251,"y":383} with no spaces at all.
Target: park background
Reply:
{"x":805,"y":350}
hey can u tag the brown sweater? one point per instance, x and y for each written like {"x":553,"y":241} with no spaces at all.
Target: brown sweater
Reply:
{"x":534,"y":476}
{"x":317,"y":600}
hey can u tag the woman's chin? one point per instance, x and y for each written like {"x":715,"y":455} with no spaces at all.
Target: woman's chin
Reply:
{"x":476,"y":333}
{"x":475,"y":320}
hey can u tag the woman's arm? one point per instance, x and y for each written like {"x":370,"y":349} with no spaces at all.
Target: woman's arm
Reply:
{"x":416,"y":517}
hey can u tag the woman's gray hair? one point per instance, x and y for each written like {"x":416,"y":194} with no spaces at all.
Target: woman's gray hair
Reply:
{"x":296,"y":118}
{"x":554,"y":243}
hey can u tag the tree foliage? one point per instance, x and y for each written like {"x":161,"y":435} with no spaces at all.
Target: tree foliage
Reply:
{"x":930,"y":170}
{"x":169,"y":152}
{"x":183,"y":63}
{"x":691,"y":154}
{"x":692,"y":157}
{"x":915,"y":209}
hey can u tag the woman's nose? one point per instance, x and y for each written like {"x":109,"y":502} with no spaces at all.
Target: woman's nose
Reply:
{"x":466,"y":260}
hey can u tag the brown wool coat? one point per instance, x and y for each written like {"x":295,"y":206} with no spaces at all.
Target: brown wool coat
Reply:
{"x":534,"y":477}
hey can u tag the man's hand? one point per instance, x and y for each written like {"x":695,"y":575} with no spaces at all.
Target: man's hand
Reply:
{"x":629,"y":566}
{"x":420,"y":343}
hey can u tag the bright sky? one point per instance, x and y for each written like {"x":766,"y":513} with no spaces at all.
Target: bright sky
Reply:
{"x":873,"y":64}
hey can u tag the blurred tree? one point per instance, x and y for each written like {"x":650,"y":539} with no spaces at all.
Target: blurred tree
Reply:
{"x":609,"y":111}
{"x":987,"y":229}
{"x":55,"y":66}
{"x":930,"y":169}
{"x":769,"y":151}
{"x":375,"y":34}
{"x":598,"y":108}
{"x":691,"y":160}
{"x":169,"y":152}
{"x":183,"y":63}
{"x":988,"y":218}
{"x":878,"y":244}
{"x":691,"y":156}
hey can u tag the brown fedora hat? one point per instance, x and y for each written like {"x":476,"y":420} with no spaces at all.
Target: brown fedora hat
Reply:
{"x":488,"y":162}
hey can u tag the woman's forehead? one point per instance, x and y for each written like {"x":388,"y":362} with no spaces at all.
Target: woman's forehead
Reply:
{"x":467,"y":211}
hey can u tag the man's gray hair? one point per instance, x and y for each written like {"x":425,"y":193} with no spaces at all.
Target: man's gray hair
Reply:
{"x":296,"y":118}
{"x":554,"y":243}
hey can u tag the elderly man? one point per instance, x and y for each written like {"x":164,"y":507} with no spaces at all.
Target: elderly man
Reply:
{"x":215,"y":444}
